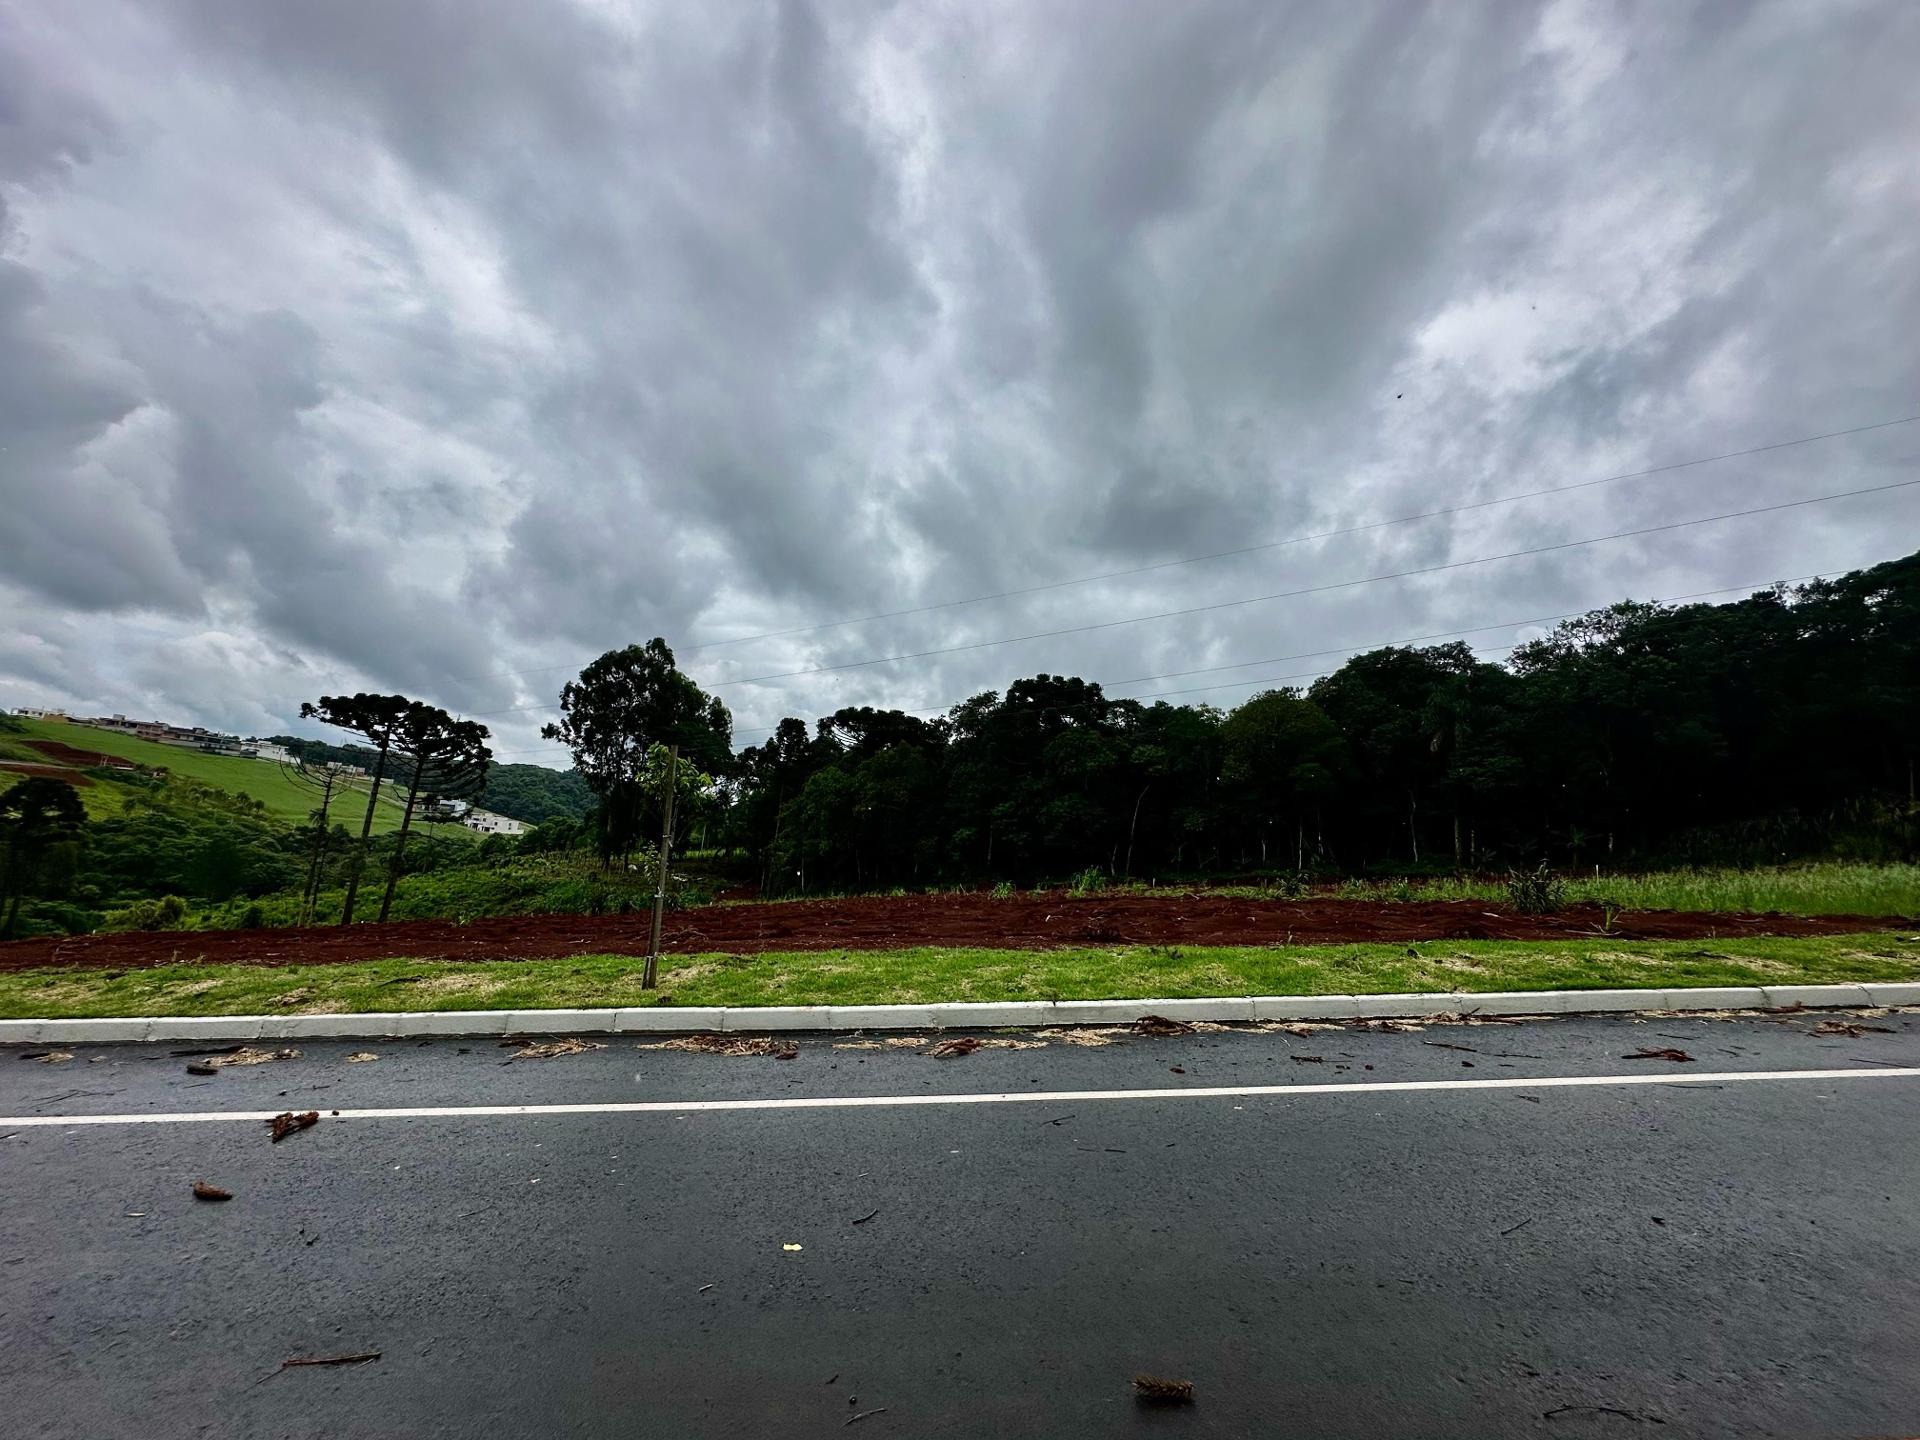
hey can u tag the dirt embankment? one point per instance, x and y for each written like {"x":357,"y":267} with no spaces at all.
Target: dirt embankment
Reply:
{"x":60,"y":753}
{"x":1027,"y":922}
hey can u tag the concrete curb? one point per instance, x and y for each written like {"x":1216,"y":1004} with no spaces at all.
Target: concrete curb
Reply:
{"x":675,"y":1019}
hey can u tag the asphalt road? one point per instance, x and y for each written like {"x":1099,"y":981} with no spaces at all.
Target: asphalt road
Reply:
{"x":1738,"y":1257}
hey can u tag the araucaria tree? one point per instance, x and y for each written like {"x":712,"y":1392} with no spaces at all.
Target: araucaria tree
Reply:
{"x":622,"y":705}
{"x":376,"y":719}
{"x":449,"y":755}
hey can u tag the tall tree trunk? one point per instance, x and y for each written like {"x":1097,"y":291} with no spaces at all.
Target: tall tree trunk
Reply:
{"x":13,"y":914}
{"x":310,"y":896}
{"x":1135,"y":825}
{"x":366,"y":830}
{"x":1413,"y":831}
{"x":400,"y":840}
{"x":1299,"y":844}
{"x":1457,"y":852}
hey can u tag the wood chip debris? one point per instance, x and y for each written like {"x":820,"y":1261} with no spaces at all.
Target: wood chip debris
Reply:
{"x":1849,"y":1027}
{"x":287,"y":1123}
{"x":364,"y":1358}
{"x":361,"y":1057}
{"x":863,"y":1415}
{"x":50,"y":1057}
{"x":951,"y":1049}
{"x":1160,"y":1025}
{"x":1153,"y":1390}
{"x":734,"y":1045}
{"x":551,"y":1049}
{"x":247,"y":1055}
{"x":1082,"y":1036}
{"x":1679,"y":1057}
{"x":203,"y":1191}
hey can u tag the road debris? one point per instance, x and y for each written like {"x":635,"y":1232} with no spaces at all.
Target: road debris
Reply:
{"x":951,"y":1049}
{"x":1521,"y":1226}
{"x":1160,"y":1025}
{"x":49,"y":1057}
{"x":1601,"y":1410}
{"x":364,"y":1358}
{"x":361,"y":1057}
{"x":551,"y":1049}
{"x":203,"y":1191}
{"x":863,"y":1415}
{"x":209,"y":1050}
{"x":1849,"y":1027}
{"x":792,"y":1247}
{"x":1152,"y":1390}
{"x":1178,"y":1069}
{"x":704,"y":1288}
{"x":1088,"y":1037}
{"x":247,"y":1055}
{"x":286,"y":1123}
{"x":201,"y":1068}
{"x":1679,"y":1057}
{"x":1308,"y":1059}
{"x":866,"y":1217}
{"x":735,"y":1045}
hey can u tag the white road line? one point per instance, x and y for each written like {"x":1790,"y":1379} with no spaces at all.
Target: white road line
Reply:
{"x":1047,"y":1097}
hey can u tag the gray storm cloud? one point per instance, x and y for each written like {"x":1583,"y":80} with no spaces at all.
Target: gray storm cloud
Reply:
{"x":437,"y":347}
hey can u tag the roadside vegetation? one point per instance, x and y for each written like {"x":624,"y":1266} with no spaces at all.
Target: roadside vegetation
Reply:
{"x":925,"y":975}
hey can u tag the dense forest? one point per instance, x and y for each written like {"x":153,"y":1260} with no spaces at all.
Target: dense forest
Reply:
{"x":1783,"y":725}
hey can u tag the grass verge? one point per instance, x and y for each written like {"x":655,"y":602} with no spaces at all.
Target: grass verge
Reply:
{"x":922,"y":975}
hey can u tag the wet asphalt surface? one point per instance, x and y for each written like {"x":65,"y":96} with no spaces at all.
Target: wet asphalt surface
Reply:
{"x":1671,"y":1259}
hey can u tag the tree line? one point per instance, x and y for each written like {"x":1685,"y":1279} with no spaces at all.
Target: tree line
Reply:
{"x":1782,"y":724}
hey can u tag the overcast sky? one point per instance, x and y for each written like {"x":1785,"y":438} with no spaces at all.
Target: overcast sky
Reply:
{"x":438,"y":347}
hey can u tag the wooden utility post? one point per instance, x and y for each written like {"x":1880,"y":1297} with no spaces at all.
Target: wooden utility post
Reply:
{"x":660,"y":891}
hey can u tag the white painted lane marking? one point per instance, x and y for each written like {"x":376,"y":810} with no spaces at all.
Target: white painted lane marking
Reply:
{"x":1012,"y":1097}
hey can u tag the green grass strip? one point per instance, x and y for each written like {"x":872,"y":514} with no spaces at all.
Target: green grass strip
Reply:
{"x":927,"y":974}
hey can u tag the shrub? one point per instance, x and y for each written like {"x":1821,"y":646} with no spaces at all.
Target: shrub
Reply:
{"x":1088,"y":881}
{"x":1537,"y":891}
{"x":1004,"y":890}
{"x":162,"y":914}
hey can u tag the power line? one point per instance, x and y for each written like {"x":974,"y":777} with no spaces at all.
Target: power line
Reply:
{"x":1281,"y":594}
{"x":1243,"y":550}
{"x":1753,"y":587}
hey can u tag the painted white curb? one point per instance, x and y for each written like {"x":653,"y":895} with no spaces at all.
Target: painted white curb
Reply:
{"x":684,"y":1018}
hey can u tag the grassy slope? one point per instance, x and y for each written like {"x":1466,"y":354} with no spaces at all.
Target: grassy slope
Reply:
{"x":260,"y":779}
{"x":907,"y":976}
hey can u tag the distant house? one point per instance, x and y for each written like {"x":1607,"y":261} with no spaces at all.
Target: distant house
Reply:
{"x":488,"y":823}
{"x":32,"y":712}
{"x":268,"y":750}
{"x":438,"y":807}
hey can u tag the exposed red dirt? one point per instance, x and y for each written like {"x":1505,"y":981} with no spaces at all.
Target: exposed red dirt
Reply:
{"x":1033,"y":922}
{"x":63,"y":754}
{"x":52,"y":772}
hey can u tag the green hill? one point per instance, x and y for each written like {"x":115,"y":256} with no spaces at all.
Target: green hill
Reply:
{"x":285,"y":798}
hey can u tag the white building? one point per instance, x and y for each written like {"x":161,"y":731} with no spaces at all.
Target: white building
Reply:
{"x":488,"y":823}
{"x":267,"y":750}
{"x":34,"y":713}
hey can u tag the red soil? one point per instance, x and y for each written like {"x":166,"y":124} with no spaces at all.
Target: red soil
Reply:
{"x":1032,"y":921}
{"x":63,"y":754}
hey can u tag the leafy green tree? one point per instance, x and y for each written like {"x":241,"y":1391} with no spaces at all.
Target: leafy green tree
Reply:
{"x":623,"y":704}
{"x":1282,"y":758}
{"x":42,"y":833}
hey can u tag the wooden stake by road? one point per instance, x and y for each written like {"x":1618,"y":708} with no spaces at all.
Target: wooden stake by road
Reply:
{"x":660,"y":892}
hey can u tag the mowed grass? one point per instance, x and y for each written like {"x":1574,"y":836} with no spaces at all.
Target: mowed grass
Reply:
{"x":286,"y":799}
{"x":928,"y":975}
